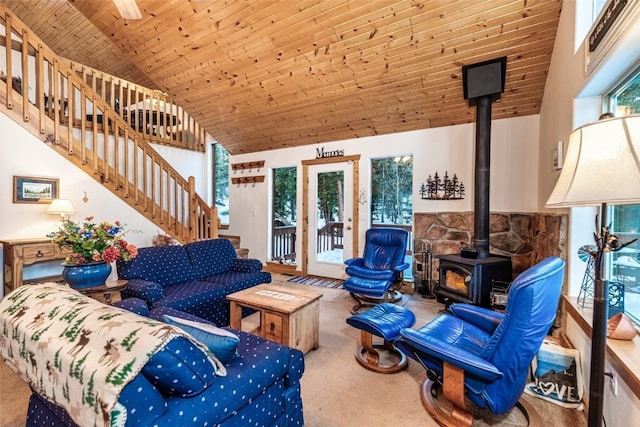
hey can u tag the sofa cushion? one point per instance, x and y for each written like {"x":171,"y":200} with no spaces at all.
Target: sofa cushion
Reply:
{"x":235,"y":281}
{"x":166,"y":265}
{"x":221,"y":342}
{"x":143,"y":401}
{"x":184,"y":296}
{"x":210,"y":256}
{"x":180,"y":369}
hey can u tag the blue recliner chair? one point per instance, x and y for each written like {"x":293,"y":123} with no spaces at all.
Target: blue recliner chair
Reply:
{"x":376,"y":276}
{"x":484,"y":355}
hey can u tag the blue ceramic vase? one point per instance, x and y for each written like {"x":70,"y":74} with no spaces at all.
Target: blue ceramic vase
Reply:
{"x":86,"y":275}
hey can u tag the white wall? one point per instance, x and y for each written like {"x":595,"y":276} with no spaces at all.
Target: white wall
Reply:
{"x":189,"y":163}
{"x":514,"y":169}
{"x":25,"y":155}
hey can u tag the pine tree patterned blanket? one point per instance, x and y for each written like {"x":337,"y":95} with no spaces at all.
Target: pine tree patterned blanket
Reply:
{"x":77,"y":352}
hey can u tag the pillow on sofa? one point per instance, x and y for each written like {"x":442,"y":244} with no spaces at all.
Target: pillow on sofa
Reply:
{"x":182,"y":368}
{"x":222,"y":343}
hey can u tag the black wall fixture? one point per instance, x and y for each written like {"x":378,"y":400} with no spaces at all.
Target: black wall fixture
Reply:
{"x":484,"y":79}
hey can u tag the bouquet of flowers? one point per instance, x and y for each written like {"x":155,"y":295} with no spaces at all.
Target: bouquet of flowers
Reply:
{"x":91,"y":242}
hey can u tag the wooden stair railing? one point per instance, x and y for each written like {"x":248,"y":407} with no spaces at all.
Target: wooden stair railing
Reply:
{"x":151,"y":112}
{"x":55,"y":104}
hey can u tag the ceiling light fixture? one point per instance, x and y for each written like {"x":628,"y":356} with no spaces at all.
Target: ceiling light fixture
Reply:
{"x":128,"y":9}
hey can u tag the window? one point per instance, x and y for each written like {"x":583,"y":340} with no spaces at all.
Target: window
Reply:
{"x":391,"y":189}
{"x":221,"y":182}
{"x":283,"y":228}
{"x":625,"y":219}
{"x":392,"y":198}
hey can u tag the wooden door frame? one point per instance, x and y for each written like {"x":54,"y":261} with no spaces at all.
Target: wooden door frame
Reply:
{"x":355,"y":159}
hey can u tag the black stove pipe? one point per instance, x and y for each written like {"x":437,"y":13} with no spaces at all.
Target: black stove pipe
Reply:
{"x":481,"y":187}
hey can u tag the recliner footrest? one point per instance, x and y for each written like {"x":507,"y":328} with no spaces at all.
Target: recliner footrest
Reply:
{"x":384,"y":320}
{"x":369,"y":287}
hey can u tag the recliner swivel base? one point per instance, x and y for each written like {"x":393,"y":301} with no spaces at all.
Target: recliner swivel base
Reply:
{"x":461,"y":417}
{"x":369,"y":358}
{"x":363,"y":301}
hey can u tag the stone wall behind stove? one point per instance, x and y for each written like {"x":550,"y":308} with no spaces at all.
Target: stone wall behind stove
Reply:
{"x":526,"y":237}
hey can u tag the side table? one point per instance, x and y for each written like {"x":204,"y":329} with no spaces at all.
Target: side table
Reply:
{"x":103,"y":293}
{"x":19,"y":253}
{"x":288,"y":315}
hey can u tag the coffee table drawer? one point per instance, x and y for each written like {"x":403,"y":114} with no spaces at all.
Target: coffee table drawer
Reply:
{"x":272,"y":325}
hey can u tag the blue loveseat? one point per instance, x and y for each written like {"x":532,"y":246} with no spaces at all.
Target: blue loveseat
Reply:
{"x":194,"y":278}
{"x":178,"y":388}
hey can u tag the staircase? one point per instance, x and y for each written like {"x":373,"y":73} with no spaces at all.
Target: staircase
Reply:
{"x":57,"y":105}
{"x":153,"y":114}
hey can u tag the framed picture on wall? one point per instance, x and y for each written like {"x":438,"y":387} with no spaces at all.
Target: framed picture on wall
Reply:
{"x":27,"y":189}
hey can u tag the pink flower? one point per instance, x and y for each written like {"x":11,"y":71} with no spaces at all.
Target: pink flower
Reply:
{"x":133,"y":251}
{"x":110,"y":255}
{"x":91,"y":242}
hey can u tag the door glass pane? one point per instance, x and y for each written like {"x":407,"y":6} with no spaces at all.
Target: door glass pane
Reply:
{"x":283,"y":227}
{"x":330,"y":211}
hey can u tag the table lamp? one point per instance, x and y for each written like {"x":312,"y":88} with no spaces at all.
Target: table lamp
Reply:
{"x":62,"y":207}
{"x":602,"y":165}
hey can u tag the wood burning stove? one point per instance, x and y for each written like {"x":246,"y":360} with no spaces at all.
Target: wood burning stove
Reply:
{"x":470,"y":280}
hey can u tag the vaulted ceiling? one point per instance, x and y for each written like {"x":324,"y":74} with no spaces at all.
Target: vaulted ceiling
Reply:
{"x":267,"y":74}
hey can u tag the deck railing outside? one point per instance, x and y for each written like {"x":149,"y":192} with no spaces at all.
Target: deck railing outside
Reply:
{"x":283,"y":240}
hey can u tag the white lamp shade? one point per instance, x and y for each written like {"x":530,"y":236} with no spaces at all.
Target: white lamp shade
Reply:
{"x":602,"y":165}
{"x":61,"y":206}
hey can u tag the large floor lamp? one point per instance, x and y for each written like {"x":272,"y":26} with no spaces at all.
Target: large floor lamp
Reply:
{"x":602,"y":166}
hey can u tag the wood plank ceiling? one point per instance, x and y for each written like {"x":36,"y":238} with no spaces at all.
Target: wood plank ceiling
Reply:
{"x":268,"y":74}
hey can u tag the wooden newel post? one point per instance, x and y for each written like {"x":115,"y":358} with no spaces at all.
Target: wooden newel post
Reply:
{"x":193,"y":212}
{"x":215,"y":221}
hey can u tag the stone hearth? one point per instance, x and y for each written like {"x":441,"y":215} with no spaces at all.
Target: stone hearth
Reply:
{"x":526,"y":237}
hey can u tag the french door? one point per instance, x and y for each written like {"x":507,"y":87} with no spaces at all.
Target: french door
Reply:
{"x":331,"y":231}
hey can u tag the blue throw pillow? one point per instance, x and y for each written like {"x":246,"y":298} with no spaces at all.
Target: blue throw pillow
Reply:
{"x":222,"y":343}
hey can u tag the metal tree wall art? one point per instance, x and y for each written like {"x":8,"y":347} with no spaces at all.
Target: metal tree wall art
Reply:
{"x":446,"y":188}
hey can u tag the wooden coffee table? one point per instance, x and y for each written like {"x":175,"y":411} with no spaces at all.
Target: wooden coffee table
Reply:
{"x":288,"y":315}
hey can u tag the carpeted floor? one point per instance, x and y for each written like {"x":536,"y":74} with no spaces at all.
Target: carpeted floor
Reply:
{"x":336,"y":390}
{"x":317,"y":281}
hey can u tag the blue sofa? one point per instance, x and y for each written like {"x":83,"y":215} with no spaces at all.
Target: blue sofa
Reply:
{"x":194,"y":278}
{"x":261,"y":388}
